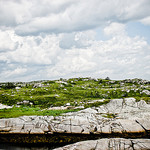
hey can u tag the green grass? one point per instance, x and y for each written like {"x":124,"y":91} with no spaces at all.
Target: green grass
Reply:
{"x":28,"y":111}
{"x":96,"y":104}
{"x":76,"y":91}
{"x":146,"y":99}
{"x":110,"y":115}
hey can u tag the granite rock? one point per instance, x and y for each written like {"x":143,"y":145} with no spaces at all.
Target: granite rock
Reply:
{"x":117,"y":116}
{"x":109,"y":144}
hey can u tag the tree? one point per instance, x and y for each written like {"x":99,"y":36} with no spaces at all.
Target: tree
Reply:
{"x":107,"y":78}
{"x":8,"y":85}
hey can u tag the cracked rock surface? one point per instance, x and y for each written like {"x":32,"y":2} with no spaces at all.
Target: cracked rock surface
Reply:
{"x":117,"y":116}
{"x":110,"y":144}
{"x":123,"y":118}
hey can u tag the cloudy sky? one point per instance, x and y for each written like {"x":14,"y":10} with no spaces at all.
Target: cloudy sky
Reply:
{"x":52,"y":39}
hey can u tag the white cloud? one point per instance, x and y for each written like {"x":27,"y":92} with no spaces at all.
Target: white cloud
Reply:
{"x":35,"y":50}
{"x":43,"y":58}
{"x":117,"y":57}
{"x":7,"y":43}
{"x":19,"y":71}
{"x":115,"y":29}
{"x":146,"y":21}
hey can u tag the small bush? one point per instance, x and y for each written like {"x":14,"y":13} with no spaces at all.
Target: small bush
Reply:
{"x":8,"y":85}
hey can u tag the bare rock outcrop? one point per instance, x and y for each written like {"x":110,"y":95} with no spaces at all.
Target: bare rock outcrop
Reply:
{"x":118,"y":116}
{"x":123,"y":118}
{"x":109,"y":144}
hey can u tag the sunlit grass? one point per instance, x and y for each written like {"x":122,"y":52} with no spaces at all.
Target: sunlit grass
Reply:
{"x":30,"y":111}
{"x":76,"y":91}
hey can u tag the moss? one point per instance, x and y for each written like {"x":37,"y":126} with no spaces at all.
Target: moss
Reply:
{"x":110,"y":115}
{"x":29,"y":111}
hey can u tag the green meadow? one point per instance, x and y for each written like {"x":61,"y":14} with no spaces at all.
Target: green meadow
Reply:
{"x":34,"y":98}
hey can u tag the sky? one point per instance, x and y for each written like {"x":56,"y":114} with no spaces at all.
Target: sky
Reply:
{"x":52,"y":39}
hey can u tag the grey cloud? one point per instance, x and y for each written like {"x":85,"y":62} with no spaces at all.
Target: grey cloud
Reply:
{"x":38,"y":41}
{"x":34,"y":17}
{"x":18,"y":12}
{"x":67,"y":42}
{"x":74,"y":40}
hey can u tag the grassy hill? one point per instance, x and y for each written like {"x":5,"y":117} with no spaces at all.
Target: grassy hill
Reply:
{"x":32,"y":97}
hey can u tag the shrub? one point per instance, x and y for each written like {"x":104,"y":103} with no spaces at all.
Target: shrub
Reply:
{"x":8,"y":85}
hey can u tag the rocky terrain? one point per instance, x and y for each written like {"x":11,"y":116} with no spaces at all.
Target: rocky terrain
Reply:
{"x":54,"y":97}
{"x":110,"y":144}
{"x":86,"y":113}
{"x":108,"y":125}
